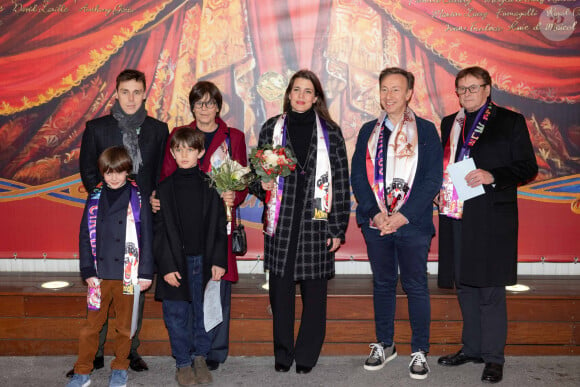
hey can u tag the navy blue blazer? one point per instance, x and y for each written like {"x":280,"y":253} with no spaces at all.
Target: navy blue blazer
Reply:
{"x":110,"y":251}
{"x":418,"y":209}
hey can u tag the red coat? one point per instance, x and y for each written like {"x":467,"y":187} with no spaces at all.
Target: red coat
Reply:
{"x":238,"y":152}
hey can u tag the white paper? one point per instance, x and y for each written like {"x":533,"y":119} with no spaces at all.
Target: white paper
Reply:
{"x":457,"y":172}
{"x":135,"y":316}
{"x":212,"y":305}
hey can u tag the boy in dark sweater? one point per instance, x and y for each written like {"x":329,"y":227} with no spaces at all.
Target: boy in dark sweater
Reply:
{"x":190,"y":249}
{"x":115,"y":254}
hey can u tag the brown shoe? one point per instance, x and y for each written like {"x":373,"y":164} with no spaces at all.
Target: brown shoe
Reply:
{"x":185,"y":376}
{"x":202,"y":374}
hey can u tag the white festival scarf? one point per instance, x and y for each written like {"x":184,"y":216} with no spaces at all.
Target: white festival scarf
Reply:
{"x":401,"y":161}
{"x":131,"y":261}
{"x":322,"y":181}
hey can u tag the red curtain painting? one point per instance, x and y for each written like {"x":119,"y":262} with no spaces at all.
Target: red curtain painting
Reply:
{"x":58,"y":62}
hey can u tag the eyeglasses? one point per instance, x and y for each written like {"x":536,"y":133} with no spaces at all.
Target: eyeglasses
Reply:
{"x":472,"y":89}
{"x":209,"y":104}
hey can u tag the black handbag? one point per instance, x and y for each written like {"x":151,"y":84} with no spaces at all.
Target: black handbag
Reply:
{"x":239,"y":241}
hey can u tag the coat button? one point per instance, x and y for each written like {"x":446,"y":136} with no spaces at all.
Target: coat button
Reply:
{"x":118,"y":240}
{"x":120,"y":222}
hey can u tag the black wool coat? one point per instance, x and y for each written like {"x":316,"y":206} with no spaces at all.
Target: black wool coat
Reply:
{"x":104,"y":132}
{"x":489,"y":238}
{"x":168,"y":244}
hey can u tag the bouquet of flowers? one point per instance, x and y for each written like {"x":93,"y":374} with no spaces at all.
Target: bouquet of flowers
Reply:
{"x":230,"y":176}
{"x":270,"y":162}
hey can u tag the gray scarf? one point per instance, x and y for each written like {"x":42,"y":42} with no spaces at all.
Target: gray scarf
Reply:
{"x":129,"y":124}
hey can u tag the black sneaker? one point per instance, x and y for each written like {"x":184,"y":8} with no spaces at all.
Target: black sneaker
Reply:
{"x":380,"y":355}
{"x":418,"y":367}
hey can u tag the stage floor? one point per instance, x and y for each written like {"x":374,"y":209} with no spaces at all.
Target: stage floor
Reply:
{"x":542,"y":321}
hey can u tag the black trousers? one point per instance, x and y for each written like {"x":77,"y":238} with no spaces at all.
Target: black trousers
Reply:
{"x":484,"y":313}
{"x":312,"y":323}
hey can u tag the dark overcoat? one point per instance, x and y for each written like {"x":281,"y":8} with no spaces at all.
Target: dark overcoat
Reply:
{"x":104,"y":132}
{"x":489,"y":243}
{"x":168,"y":244}
{"x":313,"y":260}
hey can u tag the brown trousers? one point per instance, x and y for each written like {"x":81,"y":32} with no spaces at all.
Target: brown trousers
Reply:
{"x":111,"y":294}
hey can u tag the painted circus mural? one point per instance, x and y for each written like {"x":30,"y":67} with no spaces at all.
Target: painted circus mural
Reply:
{"x":59,"y":60}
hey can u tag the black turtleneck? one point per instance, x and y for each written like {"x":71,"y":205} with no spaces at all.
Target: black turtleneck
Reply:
{"x":113,"y":194}
{"x":300,"y":127}
{"x":208,"y":138}
{"x":189,"y":202}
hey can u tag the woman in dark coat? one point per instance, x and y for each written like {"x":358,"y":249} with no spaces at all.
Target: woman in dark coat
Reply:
{"x":312,"y":212}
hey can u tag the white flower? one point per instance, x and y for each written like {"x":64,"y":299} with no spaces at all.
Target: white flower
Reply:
{"x":271,"y":158}
{"x":241,"y":172}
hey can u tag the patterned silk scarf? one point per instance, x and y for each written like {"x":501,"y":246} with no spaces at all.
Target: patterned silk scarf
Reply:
{"x":216,"y":159}
{"x":449,"y":203}
{"x":132,"y":230}
{"x":322,"y":181}
{"x":391,"y":178}
{"x":219,"y":156}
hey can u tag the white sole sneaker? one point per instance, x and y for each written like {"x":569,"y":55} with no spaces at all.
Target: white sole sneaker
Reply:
{"x":380,"y":366}
{"x":418,"y":377}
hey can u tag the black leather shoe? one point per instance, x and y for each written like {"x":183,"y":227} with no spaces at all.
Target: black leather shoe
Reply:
{"x":492,"y":373}
{"x":137,"y":364}
{"x":458,"y":359}
{"x":98,"y":363}
{"x":212,"y":365}
{"x":281,"y":368}
{"x":302,"y":369}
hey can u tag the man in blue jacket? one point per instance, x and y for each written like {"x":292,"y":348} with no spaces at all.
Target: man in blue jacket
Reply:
{"x":396,"y":172}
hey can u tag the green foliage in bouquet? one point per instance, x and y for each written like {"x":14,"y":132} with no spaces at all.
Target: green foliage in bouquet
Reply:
{"x":230,"y":176}
{"x":270,"y":162}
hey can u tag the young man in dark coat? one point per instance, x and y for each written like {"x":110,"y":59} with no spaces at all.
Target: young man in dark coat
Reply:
{"x":145,"y":138}
{"x":478,"y":238}
{"x":190,"y":249}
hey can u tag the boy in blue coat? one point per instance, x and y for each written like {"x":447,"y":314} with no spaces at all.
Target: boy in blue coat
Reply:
{"x":115,"y":248}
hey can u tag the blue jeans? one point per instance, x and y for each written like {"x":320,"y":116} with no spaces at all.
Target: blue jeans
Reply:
{"x":184,"y":319}
{"x":405,"y":250}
